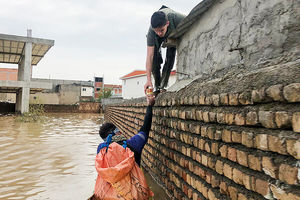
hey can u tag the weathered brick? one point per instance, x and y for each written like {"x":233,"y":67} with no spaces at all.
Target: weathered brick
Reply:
{"x":261,"y":141}
{"x":224,"y":99}
{"x":191,"y":100}
{"x":262,"y":187}
{"x":215,"y":148}
{"x":219,"y":167}
{"x":242,"y":158}
{"x":207,"y":147}
{"x":231,"y":154}
{"x":276,"y":144}
{"x":202,"y":173}
{"x":254,"y":162}
{"x":204,"y":131}
{"x":211,"y":195}
{"x":233,"y":99}
{"x":283,"y":119}
{"x":182,"y":114}
{"x":248,"y":182}
{"x":293,"y":148}
{"x":251,"y":118}
{"x":229,"y":118}
{"x":236,"y":137}
{"x":223,"y":151}
{"x":205,"y":191}
{"x":245,"y":98}
{"x":204,"y":160}
{"x":226,"y":135}
{"x":296,"y":122}
{"x":197,"y":129}
{"x":211,"y":162}
{"x":295,"y":195}
{"x":224,"y":188}
{"x":215,"y":182}
{"x":237,"y":176}
{"x":227,"y":170}
{"x":275,"y":92}
{"x":221,"y":118}
{"x":196,"y":100}
{"x":205,"y":116}
{"x":215,"y":99}
{"x":242,"y":197}
{"x":232,"y":192}
{"x":292,"y":92}
{"x":201,"y":144}
{"x":199,"y":115}
{"x":247,"y":139}
{"x":218,"y":135}
{"x":239,"y":119}
{"x":195,"y":196}
{"x":210,"y":132}
{"x":198,"y":157}
{"x":258,"y":95}
{"x":267,"y":119}
{"x":212,"y":117}
{"x":208,"y":100}
{"x":208,"y":178}
{"x":202,"y":99}
{"x":269,"y":167}
{"x":288,"y":174}
{"x":278,"y":193}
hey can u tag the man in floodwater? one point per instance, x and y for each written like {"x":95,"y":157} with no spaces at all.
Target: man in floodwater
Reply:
{"x":163,"y":22}
{"x":118,"y":160}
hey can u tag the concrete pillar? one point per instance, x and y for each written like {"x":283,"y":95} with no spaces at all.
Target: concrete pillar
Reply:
{"x":24,"y":74}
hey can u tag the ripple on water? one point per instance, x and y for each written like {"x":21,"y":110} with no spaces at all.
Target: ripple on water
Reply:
{"x":50,"y":159}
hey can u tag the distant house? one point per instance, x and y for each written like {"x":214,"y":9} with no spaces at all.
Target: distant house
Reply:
{"x":98,"y":88}
{"x":8,"y":74}
{"x":65,"y":92}
{"x":133,"y":83}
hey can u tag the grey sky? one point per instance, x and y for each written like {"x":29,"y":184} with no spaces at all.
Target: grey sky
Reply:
{"x":92,"y":37}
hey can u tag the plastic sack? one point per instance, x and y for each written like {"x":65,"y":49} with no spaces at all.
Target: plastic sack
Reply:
{"x":119,"y":176}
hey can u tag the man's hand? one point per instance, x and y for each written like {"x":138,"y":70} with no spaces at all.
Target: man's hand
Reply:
{"x":148,"y":84}
{"x":150,"y":100}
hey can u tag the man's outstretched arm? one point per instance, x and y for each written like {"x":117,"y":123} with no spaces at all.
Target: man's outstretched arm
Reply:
{"x":139,"y":140}
{"x":149,"y":61}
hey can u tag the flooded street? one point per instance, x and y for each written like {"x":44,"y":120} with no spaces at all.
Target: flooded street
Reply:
{"x":53,"y":159}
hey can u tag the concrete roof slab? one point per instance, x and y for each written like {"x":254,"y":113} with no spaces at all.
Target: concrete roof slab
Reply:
{"x":12,"y":48}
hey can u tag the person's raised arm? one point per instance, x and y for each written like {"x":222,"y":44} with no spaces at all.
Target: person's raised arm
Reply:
{"x":149,"y":61}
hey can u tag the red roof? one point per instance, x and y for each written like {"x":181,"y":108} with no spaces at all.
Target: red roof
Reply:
{"x":136,"y":73}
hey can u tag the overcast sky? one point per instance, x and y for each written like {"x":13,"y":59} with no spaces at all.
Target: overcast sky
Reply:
{"x":92,"y":37}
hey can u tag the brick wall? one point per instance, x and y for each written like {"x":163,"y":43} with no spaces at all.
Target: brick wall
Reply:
{"x":82,"y":107}
{"x":231,"y":143}
{"x":8,"y":74}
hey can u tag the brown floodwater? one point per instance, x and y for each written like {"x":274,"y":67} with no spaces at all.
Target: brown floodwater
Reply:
{"x":53,"y":159}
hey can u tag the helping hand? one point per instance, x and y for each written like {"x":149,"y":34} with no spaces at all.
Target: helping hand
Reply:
{"x":148,"y":84}
{"x":150,"y":100}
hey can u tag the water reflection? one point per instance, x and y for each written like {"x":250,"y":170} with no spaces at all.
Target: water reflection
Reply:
{"x":53,"y":159}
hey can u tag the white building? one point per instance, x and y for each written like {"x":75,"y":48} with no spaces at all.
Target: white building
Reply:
{"x":133,"y":83}
{"x":87,"y":91}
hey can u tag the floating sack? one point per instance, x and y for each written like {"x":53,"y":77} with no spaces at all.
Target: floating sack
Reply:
{"x":119,"y":176}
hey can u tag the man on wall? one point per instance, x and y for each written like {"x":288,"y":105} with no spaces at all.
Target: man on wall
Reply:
{"x":163,"y":22}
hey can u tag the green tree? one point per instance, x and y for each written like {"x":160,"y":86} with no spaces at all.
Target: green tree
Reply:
{"x":106,"y":94}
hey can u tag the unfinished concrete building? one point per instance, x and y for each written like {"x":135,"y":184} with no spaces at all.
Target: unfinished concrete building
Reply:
{"x":25,"y":52}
